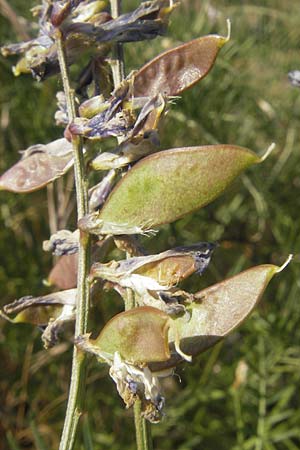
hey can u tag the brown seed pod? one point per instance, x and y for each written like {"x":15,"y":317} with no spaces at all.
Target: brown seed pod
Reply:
{"x":178,"y":69}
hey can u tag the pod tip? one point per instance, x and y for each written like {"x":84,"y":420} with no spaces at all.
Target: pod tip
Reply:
{"x":228,"y":21}
{"x":286,"y":263}
{"x":268,"y":152}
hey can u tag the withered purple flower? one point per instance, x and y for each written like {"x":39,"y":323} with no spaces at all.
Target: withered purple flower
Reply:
{"x":85,"y":25}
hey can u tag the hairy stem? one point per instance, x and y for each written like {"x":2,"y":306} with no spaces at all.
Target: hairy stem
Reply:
{"x":74,"y":406}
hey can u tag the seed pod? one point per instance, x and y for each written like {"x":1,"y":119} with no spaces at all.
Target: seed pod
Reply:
{"x":165,"y":186}
{"x":218,"y":310}
{"x":64,"y":274}
{"x":139,"y":335}
{"x":178,"y":69}
{"x":49,"y":311}
{"x":39,"y":165}
{"x":167,"y":269}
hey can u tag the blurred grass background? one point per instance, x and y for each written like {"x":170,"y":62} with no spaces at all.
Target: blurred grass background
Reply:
{"x":244,"y":393}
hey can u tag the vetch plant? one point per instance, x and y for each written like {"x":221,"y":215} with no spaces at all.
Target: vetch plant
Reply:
{"x":140,"y":188}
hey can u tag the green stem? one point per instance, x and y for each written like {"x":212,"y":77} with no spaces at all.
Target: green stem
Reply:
{"x":117,"y":62}
{"x":75,"y":400}
{"x":142,"y":427}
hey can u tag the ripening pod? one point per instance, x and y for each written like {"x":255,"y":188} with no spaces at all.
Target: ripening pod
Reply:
{"x":167,"y":269}
{"x":49,"y":311}
{"x":180,"y":68}
{"x":167,"y":185}
{"x":139,"y":335}
{"x":63,"y":275}
{"x":218,"y":310}
{"x":39,"y":165}
{"x":39,"y":310}
{"x":179,"y":263}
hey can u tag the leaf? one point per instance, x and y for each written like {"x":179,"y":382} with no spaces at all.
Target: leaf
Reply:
{"x":178,"y":69}
{"x":84,"y":30}
{"x":219,"y":310}
{"x":165,"y":186}
{"x":40,"y":165}
{"x":139,"y":335}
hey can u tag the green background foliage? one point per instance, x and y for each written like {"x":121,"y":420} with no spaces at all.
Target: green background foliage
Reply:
{"x":245,"y":100}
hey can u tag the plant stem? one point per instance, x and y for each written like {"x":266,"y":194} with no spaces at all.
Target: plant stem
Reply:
{"x":142,"y":427}
{"x":143,"y":431}
{"x":75,"y":399}
{"x":117,"y":63}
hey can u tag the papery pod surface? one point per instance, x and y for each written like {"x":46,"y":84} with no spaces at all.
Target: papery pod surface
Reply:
{"x":165,"y":186}
{"x":219,"y":309}
{"x":40,"y":165}
{"x":139,"y":335}
{"x":167,"y":268}
{"x":38,"y":315}
{"x":178,"y":69}
{"x":64,"y":273}
{"x":38,"y":310}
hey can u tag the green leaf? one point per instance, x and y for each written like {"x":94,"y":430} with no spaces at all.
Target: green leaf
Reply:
{"x":218,"y":311}
{"x":178,"y":69}
{"x":165,"y":186}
